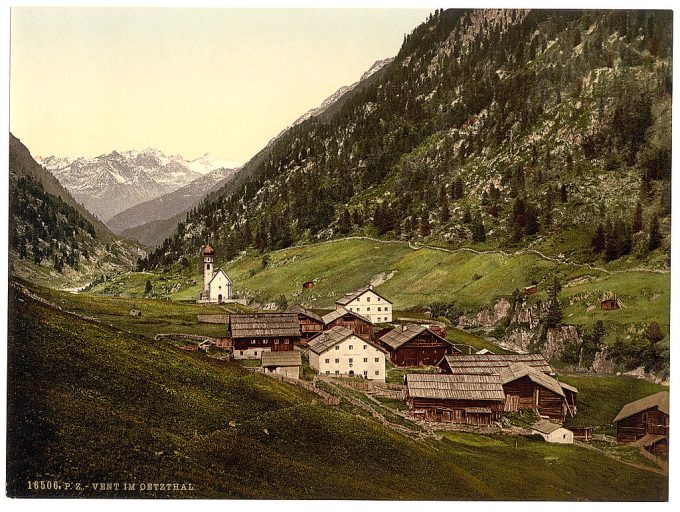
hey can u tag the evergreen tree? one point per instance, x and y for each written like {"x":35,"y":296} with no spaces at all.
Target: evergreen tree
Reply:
{"x":345,"y":225}
{"x":555,"y":314}
{"x":532,"y":225}
{"x":467,"y":215}
{"x":148,"y":288}
{"x":654,"y":241}
{"x":637,"y":218}
{"x":563,"y":193}
{"x":597,"y":242}
{"x":425,"y":229}
{"x":478,"y":230}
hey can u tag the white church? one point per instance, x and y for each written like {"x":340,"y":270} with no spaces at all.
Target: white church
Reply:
{"x":217,"y":287}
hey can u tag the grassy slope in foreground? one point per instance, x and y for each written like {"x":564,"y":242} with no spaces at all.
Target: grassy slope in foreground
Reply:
{"x":89,"y":403}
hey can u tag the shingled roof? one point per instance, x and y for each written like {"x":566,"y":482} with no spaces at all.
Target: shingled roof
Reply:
{"x":660,"y":400}
{"x":518,"y":370}
{"x":492,"y":363}
{"x":546,"y":427}
{"x":263,"y":325}
{"x":281,"y":358}
{"x":455,"y":387}
{"x":299,"y":310}
{"x":328,"y":339}
{"x":334,"y":315}
{"x":349,"y":297}
{"x":402,"y":334}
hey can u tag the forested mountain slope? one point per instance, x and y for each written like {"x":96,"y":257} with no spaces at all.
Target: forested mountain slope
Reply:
{"x":52,"y":238}
{"x":496,"y":127}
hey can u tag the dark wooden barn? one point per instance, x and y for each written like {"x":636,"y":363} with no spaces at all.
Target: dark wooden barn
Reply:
{"x":251,"y":334}
{"x":415,"y":345}
{"x":311,"y":324}
{"x":645,"y":422}
{"x":469,"y":399}
{"x":528,"y":388}
{"x":349,"y":319}
{"x":491,"y":363}
{"x":610,"y":304}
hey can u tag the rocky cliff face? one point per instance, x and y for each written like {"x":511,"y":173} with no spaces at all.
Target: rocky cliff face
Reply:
{"x":524,"y":329}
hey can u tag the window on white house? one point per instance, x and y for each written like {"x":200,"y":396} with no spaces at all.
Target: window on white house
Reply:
{"x":328,"y":372}
{"x":378,"y":299}
{"x":377,"y":372}
{"x":379,"y":308}
{"x":377,"y":359}
{"x":328,"y":361}
{"x":365,"y":373}
{"x":365,"y":359}
{"x":365,"y":347}
{"x":337,"y":360}
{"x":368,"y":309}
{"x":368,"y":299}
{"x":351,"y":347}
{"x":337,"y":347}
{"x":337,"y":372}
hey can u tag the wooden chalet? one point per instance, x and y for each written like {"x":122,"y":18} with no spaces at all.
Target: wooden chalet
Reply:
{"x":491,"y":363}
{"x":530,"y":290}
{"x":469,"y":399}
{"x":255,"y":333}
{"x":645,"y":422}
{"x":353,"y":321}
{"x":528,"y":388}
{"x":286,"y":363}
{"x":311,"y":324}
{"x":415,"y":345}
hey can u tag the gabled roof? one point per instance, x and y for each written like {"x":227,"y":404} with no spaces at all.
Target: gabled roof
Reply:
{"x":299,"y":310}
{"x":219,"y":271}
{"x":281,"y":358}
{"x":403,"y":334}
{"x":492,"y":363}
{"x":264,"y":325}
{"x":546,"y":427}
{"x":455,"y":387}
{"x":349,"y":297}
{"x":568,"y":387}
{"x":328,"y":339}
{"x":660,"y":400}
{"x":518,"y":370}
{"x":334,"y":315}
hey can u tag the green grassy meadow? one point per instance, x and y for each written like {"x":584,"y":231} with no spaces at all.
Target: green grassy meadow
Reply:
{"x":92,"y":402}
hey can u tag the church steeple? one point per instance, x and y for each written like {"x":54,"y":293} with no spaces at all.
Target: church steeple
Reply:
{"x":208,"y":266}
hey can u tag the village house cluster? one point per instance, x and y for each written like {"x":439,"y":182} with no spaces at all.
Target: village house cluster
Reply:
{"x":357,"y":339}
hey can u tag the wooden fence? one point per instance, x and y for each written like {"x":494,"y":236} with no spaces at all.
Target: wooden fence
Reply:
{"x":327,"y":397}
{"x":381,"y":389}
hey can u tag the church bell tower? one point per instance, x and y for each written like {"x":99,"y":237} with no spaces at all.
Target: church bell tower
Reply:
{"x":208,"y":266}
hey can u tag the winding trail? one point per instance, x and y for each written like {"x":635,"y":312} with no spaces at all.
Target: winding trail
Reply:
{"x":555,"y":259}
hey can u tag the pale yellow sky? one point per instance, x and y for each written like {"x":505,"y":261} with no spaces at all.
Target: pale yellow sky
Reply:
{"x":85,"y":81}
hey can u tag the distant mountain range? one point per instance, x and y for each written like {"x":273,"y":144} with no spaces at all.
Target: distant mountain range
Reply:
{"x":169,"y":205}
{"x":109,"y":184}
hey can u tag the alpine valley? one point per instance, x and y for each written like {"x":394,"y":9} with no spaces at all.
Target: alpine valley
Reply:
{"x":504,"y":181}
